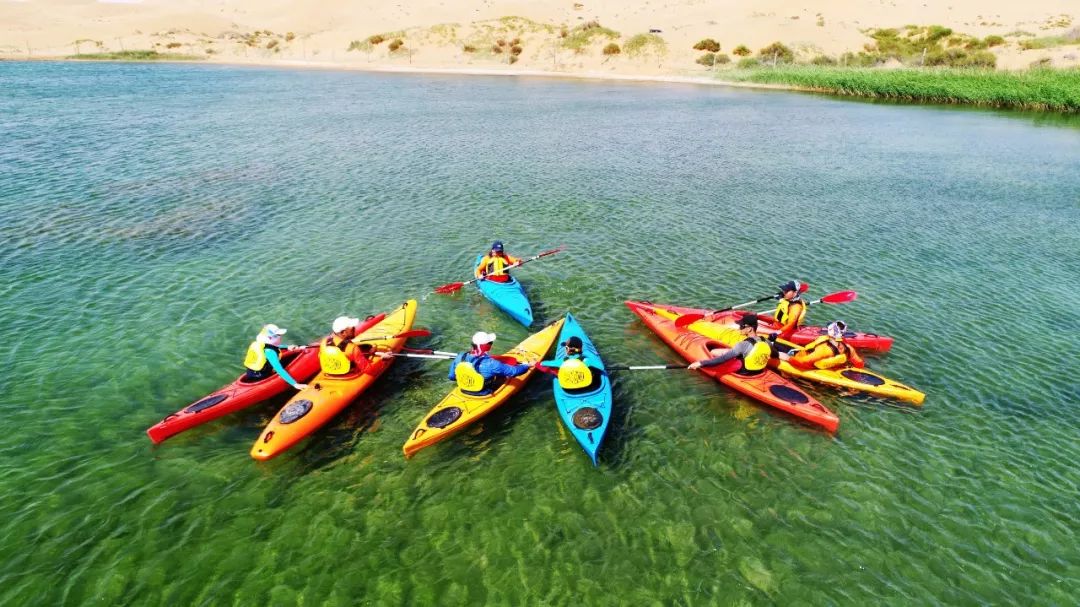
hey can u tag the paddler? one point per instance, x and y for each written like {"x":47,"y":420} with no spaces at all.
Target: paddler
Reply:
{"x":748,"y":357}
{"x":791,"y":309}
{"x":477,"y":373}
{"x":828,"y":351}
{"x":263,"y":357}
{"x":576,"y":371}
{"x":494,"y":265}
{"x":340,"y":355}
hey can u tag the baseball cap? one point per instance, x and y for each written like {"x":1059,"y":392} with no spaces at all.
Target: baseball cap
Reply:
{"x":342,"y":323}
{"x":480,"y":338}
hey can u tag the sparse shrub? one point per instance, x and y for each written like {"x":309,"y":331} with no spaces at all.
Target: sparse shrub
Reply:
{"x":500,"y":42}
{"x":612,"y":49}
{"x":289,"y":37}
{"x":993,"y":41}
{"x":707,"y":44}
{"x":468,"y":48}
{"x":823,"y":60}
{"x":777,"y":53}
{"x":513,"y":59}
{"x":638,"y":44}
{"x":272,"y":44}
{"x":495,"y":48}
{"x":582,"y":36}
{"x":395,"y":44}
{"x":1040,"y":63}
{"x":708,"y":59}
{"x":821,"y":22}
{"x":722,"y":59}
{"x":742,"y":51}
{"x":173,"y":45}
{"x":211,"y":51}
{"x":376,"y":39}
{"x":515,"y":50}
{"x":563,"y":32}
{"x":935,"y":33}
{"x":515,"y":42}
{"x":749,"y":62}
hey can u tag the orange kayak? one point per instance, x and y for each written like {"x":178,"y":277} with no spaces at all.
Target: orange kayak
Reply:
{"x":458,"y":410}
{"x":767,"y":387}
{"x":326,"y":396}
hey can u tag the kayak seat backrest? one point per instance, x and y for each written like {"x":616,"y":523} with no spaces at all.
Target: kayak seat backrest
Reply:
{"x":492,"y":385}
{"x":597,"y":381}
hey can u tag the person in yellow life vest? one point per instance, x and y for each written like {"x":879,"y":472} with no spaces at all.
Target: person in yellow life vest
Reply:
{"x":748,"y":357}
{"x":263,"y":357}
{"x":574,"y":367}
{"x":828,"y":351}
{"x":477,"y":373}
{"x":494,"y":265}
{"x":340,"y":355}
{"x":791,"y":309}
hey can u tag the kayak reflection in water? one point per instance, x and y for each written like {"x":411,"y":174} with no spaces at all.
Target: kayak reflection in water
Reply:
{"x":340,"y":355}
{"x":263,"y":357}
{"x":494,"y":265}
{"x":576,"y":371}
{"x":477,"y":373}
{"x":828,"y":351}
{"x":748,"y":357}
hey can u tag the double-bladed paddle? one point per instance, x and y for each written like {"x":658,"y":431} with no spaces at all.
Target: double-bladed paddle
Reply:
{"x":840,"y":297}
{"x":643,"y":367}
{"x":454,"y":287}
{"x":690,"y":319}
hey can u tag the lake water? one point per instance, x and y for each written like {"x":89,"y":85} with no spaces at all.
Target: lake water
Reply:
{"x":154,"y":216}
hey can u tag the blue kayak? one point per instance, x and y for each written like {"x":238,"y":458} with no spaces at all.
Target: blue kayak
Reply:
{"x":507,"y":296}
{"x":586,"y":411}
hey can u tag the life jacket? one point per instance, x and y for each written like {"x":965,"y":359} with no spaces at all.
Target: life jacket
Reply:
{"x":494,"y":266}
{"x":787,"y":310}
{"x":335,"y":360}
{"x":467,"y":374}
{"x":758,"y":357}
{"x":255,"y":359}
{"x":824,"y":360}
{"x":574,"y":374}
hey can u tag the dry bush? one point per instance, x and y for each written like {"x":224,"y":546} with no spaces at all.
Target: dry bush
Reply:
{"x":707,"y":44}
{"x":612,"y":49}
{"x":742,"y":51}
{"x":395,"y":44}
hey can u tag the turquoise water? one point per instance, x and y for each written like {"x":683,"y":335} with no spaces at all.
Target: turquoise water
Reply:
{"x":154,"y":216}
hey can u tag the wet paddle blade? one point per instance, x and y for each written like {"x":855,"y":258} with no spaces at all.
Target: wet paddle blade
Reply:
{"x":839,"y":297}
{"x":450,"y":289}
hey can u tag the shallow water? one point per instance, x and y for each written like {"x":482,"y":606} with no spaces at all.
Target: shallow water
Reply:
{"x":154,"y":216}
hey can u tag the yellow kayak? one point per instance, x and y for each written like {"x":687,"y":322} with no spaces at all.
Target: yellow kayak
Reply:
{"x":458,"y":410}
{"x":848,"y":378}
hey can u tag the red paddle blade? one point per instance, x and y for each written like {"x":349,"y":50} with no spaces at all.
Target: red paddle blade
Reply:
{"x":453,"y":287}
{"x":414,"y":333}
{"x":839,"y":297}
{"x":804,"y":287}
{"x":687,"y":319}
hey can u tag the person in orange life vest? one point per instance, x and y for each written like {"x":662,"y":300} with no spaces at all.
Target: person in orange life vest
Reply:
{"x":791,"y":309}
{"x":748,"y":357}
{"x":340,"y":355}
{"x":477,"y":373}
{"x":263,"y":357}
{"x":828,"y":351}
{"x":493,"y":266}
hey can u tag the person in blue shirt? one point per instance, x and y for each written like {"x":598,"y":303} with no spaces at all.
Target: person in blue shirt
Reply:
{"x":477,"y":373}
{"x":263,"y":357}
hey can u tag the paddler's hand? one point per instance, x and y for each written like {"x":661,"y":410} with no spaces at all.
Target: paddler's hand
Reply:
{"x":300,"y":386}
{"x":385,"y":355}
{"x":694,"y":366}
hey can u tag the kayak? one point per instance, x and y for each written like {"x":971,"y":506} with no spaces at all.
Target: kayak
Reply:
{"x":848,"y":377}
{"x":326,"y":396}
{"x":869,"y":342}
{"x":585,"y":413}
{"x":507,"y":296}
{"x":767,"y":387}
{"x":459,"y":410}
{"x":301,"y":364}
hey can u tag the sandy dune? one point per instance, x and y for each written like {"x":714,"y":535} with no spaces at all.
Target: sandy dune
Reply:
{"x":434,"y":33}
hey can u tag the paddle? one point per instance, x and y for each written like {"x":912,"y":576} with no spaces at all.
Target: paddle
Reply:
{"x":454,"y":287}
{"x":432,"y":356}
{"x":643,"y":367}
{"x":840,"y":297}
{"x":690,"y":319}
{"x":429,"y":351}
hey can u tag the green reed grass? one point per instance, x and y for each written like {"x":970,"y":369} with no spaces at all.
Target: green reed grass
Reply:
{"x":135,"y":55}
{"x":1038,"y":89}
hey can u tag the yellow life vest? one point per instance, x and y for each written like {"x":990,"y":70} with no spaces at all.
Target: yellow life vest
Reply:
{"x":255,"y":359}
{"x":574,"y":374}
{"x":784,"y":312}
{"x":332,"y":359}
{"x":758,"y":356}
{"x":467,"y":377}
{"x":838,"y":358}
{"x":493,"y":266}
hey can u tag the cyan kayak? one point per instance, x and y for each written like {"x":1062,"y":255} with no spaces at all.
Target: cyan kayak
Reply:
{"x":508,"y":296}
{"x":585,"y":412}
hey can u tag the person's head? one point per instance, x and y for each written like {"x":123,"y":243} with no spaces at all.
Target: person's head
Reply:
{"x":482,"y":341}
{"x":345,"y":326}
{"x":836,"y":329}
{"x":271,"y":334}
{"x":573,"y":345}
{"x":497,"y":247}
{"x":790,"y":289}
{"x":748,"y":324}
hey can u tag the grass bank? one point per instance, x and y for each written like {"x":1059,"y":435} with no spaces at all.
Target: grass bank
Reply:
{"x":1038,"y":89}
{"x":149,"y":55}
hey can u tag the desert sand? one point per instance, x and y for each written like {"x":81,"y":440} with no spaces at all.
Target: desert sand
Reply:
{"x":452,"y":35}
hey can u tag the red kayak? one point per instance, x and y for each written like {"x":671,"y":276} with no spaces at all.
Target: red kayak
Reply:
{"x":302,"y":364}
{"x":767,"y":387}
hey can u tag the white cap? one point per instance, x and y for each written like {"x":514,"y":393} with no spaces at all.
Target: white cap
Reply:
{"x":480,"y":338}
{"x":836,"y":329}
{"x":274,"y":330}
{"x":342,"y":323}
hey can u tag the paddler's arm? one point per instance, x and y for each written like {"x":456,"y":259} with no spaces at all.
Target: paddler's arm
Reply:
{"x":551,"y":367}
{"x":854,"y":359}
{"x":496,"y":367}
{"x":275,"y":362}
{"x":479,"y":271}
{"x":738,"y":349}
